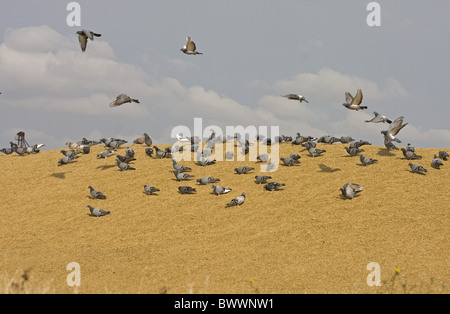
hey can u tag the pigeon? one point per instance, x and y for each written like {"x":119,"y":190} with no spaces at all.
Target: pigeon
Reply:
{"x":124,"y":166}
{"x":289,"y":161}
{"x":296,"y":97}
{"x":149,"y":152}
{"x":354,"y":103}
{"x":98,"y":212}
{"x":149,"y":190}
{"x":271,"y":166}
{"x":229,"y":155}
{"x":238,"y":201}
{"x":263,"y":158}
{"x":220,"y":190}
{"x":328,"y":139}
{"x":190,"y":48}
{"x":21,"y":150}
{"x":129,"y":152}
{"x":86,"y":149}
{"x":417,"y":168}
{"x":148,"y":140}
{"x":410,"y":155}
{"x":315,"y":151}
{"x":186,"y":190}
{"x":443,"y":155}
{"x":410,"y":148}
{"x":243,"y":170}
{"x":358,"y":144}
{"x":122,"y":99}
{"x":353,"y":151}
{"x":379,"y":118}
{"x":295,"y":156}
{"x":106,"y":153}
{"x":125,"y":159}
{"x":309,"y":144}
{"x":74,"y":146}
{"x":366,"y":160}
{"x":390,"y":146}
{"x":180,"y":176}
{"x":394,"y":128}
{"x":83,"y":38}
{"x":139,"y":140}
{"x":96,"y":194}
{"x":273,"y":186}
{"x":180,"y":168}
{"x":65,"y":160}
{"x":436,"y":163}
{"x":350,"y":190}
{"x":207,"y":180}
{"x":161,"y":153}
{"x":85,"y":141}
{"x":182,"y":139}
{"x":203,"y":161}
{"x":346,"y":139}
{"x":262,"y":179}
{"x":70,"y":153}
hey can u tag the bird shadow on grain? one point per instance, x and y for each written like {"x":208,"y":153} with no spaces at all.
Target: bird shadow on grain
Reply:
{"x":59,"y":175}
{"x":156,"y":194}
{"x":106,"y":167}
{"x":325,"y":168}
{"x":384,"y":152}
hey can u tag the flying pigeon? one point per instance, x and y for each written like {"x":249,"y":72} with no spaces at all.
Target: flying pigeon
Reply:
{"x":186,"y":190}
{"x":122,"y":99}
{"x":353,"y":103}
{"x":220,"y":190}
{"x":296,"y":97}
{"x":180,"y":176}
{"x":394,"y":128}
{"x":273,"y":186}
{"x":417,"y":168}
{"x":436,"y":163}
{"x":244,"y":169}
{"x":190,"y":48}
{"x":350,"y":190}
{"x":410,"y":155}
{"x":262,"y":179}
{"x":207,"y":180}
{"x":379,"y":118}
{"x":366,"y":160}
{"x":148,"y":140}
{"x":352,"y":151}
{"x":149,"y":190}
{"x":83,"y":38}
{"x":98,"y":212}
{"x":124,"y":166}
{"x":443,"y":155}
{"x":238,"y":201}
{"x":96,"y":194}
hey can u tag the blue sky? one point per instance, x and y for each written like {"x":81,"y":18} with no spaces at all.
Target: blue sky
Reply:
{"x":254,"y":51}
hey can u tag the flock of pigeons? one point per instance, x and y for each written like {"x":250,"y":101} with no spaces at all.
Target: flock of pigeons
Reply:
{"x":124,"y":163}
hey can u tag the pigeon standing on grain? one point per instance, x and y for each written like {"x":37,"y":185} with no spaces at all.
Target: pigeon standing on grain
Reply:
{"x":180,"y":176}
{"x":218,"y":190}
{"x":353,"y":151}
{"x":436,"y":163}
{"x":180,"y":168}
{"x":125,"y":159}
{"x":190,"y":48}
{"x":186,"y":190}
{"x":358,"y":144}
{"x":149,"y":152}
{"x":379,"y":119}
{"x":83,"y":37}
{"x":74,"y":146}
{"x":203,"y":161}
{"x":350,"y":190}
{"x":315,"y":151}
{"x":96,"y":194}
{"x":346,"y":139}
{"x":410,"y":147}
{"x":390,"y":146}
{"x":97,"y":212}
{"x":417,"y":168}
{"x":149,"y":190}
{"x":410,"y":154}
{"x":161,"y":153}
{"x":124,"y":166}
{"x":296,"y":97}
{"x":354,"y":103}
{"x":129,"y":152}
{"x":273,"y":186}
{"x":243,"y":170}
{"x":106,"y":153}
{"x":207,"y":180}
{"x":366,"y":160}
{"x":65,"y":160}
{"x":148,"y":140}
{"x":70,"y":153}
{"x":443,"y":155}
{"x":262,"y":179}
{"x":122,"y":99}
{"x":238,"y":201}
{"x":263,"y":158}
{"x":288,"y":161}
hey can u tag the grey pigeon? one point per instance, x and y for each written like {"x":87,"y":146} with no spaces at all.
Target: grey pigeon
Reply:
{"x":149,"y":152}
{"x":86,"y":149}
{"x":273,"y":186}
{"x":366,"y":160}
{"x":296,"y":97}
{"x":394,"y":128}
{"x":116,"y":144}
{"x":125,"y":159}
{"x":83,"y":38}
{"x":289,"y":161}
{"x":98,"y":212}
{"x":350,"y":190}
{"x":410,"y":148}
{"x":161,"y":153}
{"x":436,"y":163}
{"x":149,"y":190}
{"x":180,"y":176}
{"x":379,"y":119}
{"x":106,"y":153}
{"x":315,"y":151}
{"x":353,"y":151}
{"x":65,"y":160}
{"x":122,"y":99}
{"x":346,"y":139}
{"x":417,"y":168}
{"x":96,"y":194}
{"x":354,"y":103}
{"x":124,"y":166}
{"x":243,"y":170}
{"x":186,"y":190}
{"x":309,"y":144}
{"x":129,"y":152}
{"x":203,"y":161}
{"x":443,"y":155}
{"x":207,"y":180}
{"x":271,"y":166}
{"x":358,"y":144}
{"x":390,"y":146}
{"x":229,"y":155}
{"x":262,"y":179}
{"x":180,"y":168}
{"x":190,"y":48}
{"x":70,"y":153}
{"x":295,"y":156}
{"x":148,"y":140}
{"x":220,"y":190}
{"x":86,"y":142}
{"x":328,"y":139}
{"x":263,"y":158}
{"x":238,"y":201}
{"x":410,"y":155}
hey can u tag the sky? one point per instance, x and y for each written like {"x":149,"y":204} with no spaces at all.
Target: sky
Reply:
{"x":253,"y":52}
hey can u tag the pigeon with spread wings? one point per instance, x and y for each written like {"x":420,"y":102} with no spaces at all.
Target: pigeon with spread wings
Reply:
{"x":83,"y":37}
{"x":354,"y":103}
{"x":190,"y":48}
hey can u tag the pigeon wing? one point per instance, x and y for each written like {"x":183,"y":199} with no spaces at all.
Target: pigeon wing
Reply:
{"x":83,"y":42}
{"x":358,"y":98}
{"x":348,"y":98}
